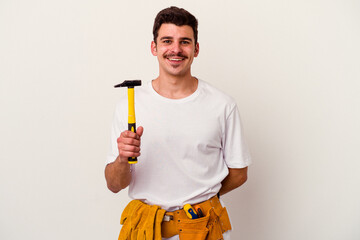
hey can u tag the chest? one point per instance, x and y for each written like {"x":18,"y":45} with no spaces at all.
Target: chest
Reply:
{"x":196,"y":124}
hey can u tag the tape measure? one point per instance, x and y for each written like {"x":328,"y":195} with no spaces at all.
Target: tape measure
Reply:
{"x":190,"y":211}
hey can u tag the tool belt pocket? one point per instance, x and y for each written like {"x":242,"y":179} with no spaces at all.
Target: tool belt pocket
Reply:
{"x":210,"y":227}
{"x":190,"y":229}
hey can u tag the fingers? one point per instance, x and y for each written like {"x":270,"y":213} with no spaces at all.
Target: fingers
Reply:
{"x":124,"y":154}
{"x":129,"y":139}
{"x":129,"y":148}
{"x":129,"y":144}
{"x":130,"y":134}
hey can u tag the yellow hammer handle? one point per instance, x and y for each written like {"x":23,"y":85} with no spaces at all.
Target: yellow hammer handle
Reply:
{"x":131,"y":117}
{"x":131,"y":101}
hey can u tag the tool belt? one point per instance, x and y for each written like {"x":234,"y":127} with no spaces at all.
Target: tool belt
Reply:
{"x":141,"y":221}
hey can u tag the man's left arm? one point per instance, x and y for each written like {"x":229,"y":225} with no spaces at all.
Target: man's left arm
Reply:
{"x":235,"y":178}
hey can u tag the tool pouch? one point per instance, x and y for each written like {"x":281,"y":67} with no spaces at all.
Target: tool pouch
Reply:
{"x":190,"y":229}
{"x":210,"y":227}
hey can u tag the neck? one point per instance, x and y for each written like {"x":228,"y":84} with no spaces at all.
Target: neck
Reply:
{"x":175,"y":87}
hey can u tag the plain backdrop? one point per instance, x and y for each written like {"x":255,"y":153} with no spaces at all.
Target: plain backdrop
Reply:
{"x":292,"y":66}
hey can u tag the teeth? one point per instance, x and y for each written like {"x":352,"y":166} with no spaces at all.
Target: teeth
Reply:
{"x":175,"y":59}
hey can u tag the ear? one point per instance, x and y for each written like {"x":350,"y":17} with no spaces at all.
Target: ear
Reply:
{"x":197,"y":49}
{"x":153,"y":48}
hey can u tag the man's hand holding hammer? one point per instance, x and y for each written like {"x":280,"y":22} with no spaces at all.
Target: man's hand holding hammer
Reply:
{"x":117,"y":173}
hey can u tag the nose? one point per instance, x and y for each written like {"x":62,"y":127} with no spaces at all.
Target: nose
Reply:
{"x":176,"y":47}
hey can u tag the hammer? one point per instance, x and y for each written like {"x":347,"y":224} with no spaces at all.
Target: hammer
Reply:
{"x":130,"y":84}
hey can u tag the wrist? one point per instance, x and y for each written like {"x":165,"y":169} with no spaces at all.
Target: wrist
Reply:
{"x":121,"y":160}
{"x":122,"y":164}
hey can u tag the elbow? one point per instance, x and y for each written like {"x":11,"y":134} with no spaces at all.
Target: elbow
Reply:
{"x":114,"y":189}
{"x":241,"y":179}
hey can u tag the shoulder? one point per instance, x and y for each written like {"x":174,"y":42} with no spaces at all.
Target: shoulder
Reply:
{"x":212,"y":93}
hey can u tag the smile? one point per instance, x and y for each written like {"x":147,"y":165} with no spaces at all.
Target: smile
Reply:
{"x":176,"y":59}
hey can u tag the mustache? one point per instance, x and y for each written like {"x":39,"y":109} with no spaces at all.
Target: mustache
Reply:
{"x":174,"y":55}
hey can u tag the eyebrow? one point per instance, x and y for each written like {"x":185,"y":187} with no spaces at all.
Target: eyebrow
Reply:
{"x":168,"y":37}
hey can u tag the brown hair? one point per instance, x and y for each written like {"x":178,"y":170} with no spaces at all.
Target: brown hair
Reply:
{"x":177,"y":16}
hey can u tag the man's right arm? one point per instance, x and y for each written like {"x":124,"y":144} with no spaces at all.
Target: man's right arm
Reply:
{"x":117,"y":173}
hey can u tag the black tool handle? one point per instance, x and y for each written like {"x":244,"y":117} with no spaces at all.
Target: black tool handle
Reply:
{"x":132,"y":127}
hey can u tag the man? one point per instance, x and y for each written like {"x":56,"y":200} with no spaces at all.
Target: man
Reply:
{"x":192,"y":146}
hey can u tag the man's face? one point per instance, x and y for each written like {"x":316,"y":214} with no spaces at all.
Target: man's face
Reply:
{"x":175,"y":49}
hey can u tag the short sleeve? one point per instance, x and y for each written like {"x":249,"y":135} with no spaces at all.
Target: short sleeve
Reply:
{"x":235,"y":150}
{"x":118,"y":126}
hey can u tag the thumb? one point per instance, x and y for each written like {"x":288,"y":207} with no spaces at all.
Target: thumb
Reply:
{"x":139,"y":131}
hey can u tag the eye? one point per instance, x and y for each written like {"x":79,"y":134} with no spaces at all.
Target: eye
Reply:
{"x":185,"y":42}
{"x":166,"y":41}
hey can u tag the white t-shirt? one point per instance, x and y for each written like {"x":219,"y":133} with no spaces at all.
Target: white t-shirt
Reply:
{"x":187,"y":146}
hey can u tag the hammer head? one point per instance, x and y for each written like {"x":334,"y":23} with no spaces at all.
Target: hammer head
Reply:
{"x":129,"y":83}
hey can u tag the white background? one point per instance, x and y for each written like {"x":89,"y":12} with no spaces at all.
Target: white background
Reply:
{"x":292,"y":66}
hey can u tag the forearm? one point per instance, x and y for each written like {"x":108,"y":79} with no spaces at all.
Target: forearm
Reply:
{"x":233,"y":180}
{"x":117,"y":175}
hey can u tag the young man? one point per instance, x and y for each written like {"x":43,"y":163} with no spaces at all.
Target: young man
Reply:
{"x":192,"y":146}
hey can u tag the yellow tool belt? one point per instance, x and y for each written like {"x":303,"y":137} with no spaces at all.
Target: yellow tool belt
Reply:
{"x":141,"y":221}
